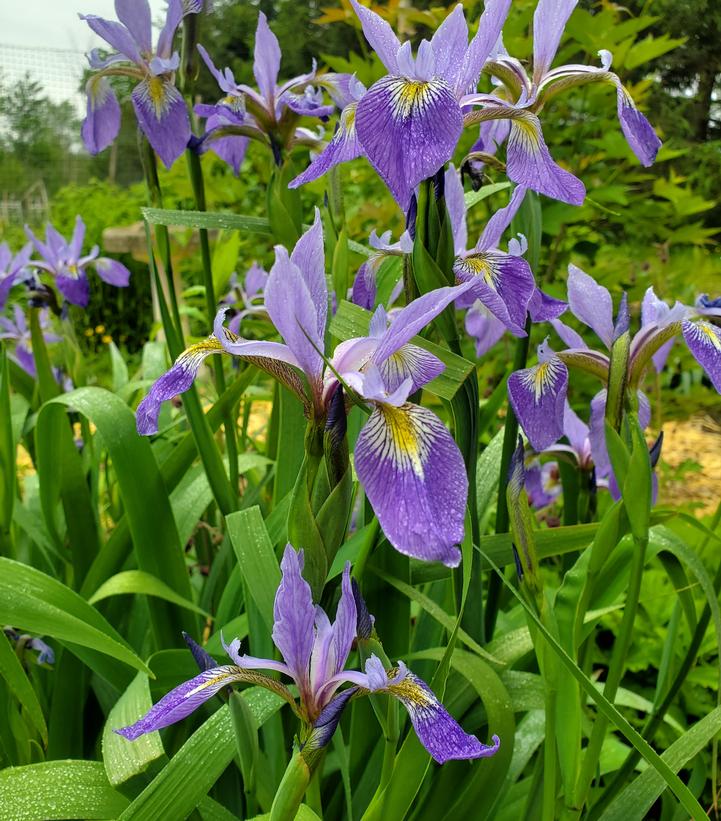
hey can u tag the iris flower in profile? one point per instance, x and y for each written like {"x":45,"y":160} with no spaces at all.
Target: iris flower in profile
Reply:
{"x":270,"y":113}
{"x":409,"y":122}
{"x":538,"y":394}
{"x":159,"y":106}
{"x":405,"y":457}
{"x":64,"y":261}
{"x":510,"y":113}
{"x":11,"y":268}
{"x":315,"y":653}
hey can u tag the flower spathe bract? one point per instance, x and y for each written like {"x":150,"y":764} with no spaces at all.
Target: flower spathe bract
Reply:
{"x":159,"y":106}
{"x":315,"y":652}
{"x":67,"y":265}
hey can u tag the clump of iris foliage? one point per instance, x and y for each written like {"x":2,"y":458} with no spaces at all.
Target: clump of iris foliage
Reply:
{"x":171,"y":565}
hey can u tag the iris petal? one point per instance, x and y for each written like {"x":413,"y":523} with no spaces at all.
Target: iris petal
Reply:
{"x":704,"y":342}
{"x":163,"y":117}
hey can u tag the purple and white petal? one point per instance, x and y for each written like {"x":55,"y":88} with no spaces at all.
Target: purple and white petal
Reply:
{"x":251,"y":662}
{"x":529,"y":163}
{"x":309,"y":256}
{"x":489,"y":30}
{"x":410,"y":362}
{"x":102,"y":119}
{"x":414,"y":477}
{"x":437,"y":730}
{"x":294,"y":617}
{"x":502,"y":282}
{"x":183,"y":700}
{"x":344,"y":626}
{"x":112,"y":272}
{"x":380,"y":36}
{"x":538,"y":398}
{"x":173,"y":382}
{"x":116,"y":35}
{"x":163,"y":117}
{"x":343,"y":147}
{"x":542,"y":483}
{"x":266,"y":59}
{"x":549,"y":20}
{"x":591,"y":303}
{"x":704,"y":342}
{"x":408,"y":129}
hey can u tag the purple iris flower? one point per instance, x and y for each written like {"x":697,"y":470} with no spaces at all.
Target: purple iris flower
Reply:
{"x":363,"y":292}
{"x":23,"y":641}
{"x":269,"y":113}
{"x":16,"y":330}
{"x":11,"y":267}
{"x":543,"y":483}
{"x":249,"y":294}
{"x":538,"y":393}
{"x":159,"y":106}
{"x":315,"y":653}
{"x":409,"y":122}
{"x":405,"y":458}
{"x":63,"y":260}
{"x":519,"y":97}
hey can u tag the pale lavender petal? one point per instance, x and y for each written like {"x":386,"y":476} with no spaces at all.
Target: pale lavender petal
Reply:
{"x":363,"y":292}
{"x":6,"y":283}
{"x":380,"y":36}
{"x":639,"y":133}
{"x":568,"y":335}
{"x":343,"y":147}
{"x":414,"y":477}
{"x":344,"y":626}
{"x":436,"y":729}
{"x":543,"y":484}
{"x":414,"y":317}
{"x":309,"y":256}
{"x":102,"y":119}
{"x":183,"y":700}
{"x":529,"y":163}
{"x":549,"y":21}
{"x":115,"y":34}
{"x":76,"y":243}
{"x":489,"y":29}
{"x":597,"y":434}
{"x":295,"y":315}
{"x":501,"y":219}
{"x":575,"y":429}
{"x":266,"y":58}
{"x":704,"y":342}
{"x":251,"y":662}
{"x":163,"y":117}
{"x":294,"y":617}
{"x":591,"y":303}
{"x":410,"y":362}
{"x":449,"y":44}
{"x":483,"y":326}
{"x":135,"y":16}
{"x":230,"y":149}
{"x":456,"y":205}
{"x":544,"y":308}
{"x":112,"y":272}
{"x":502,"y":282}
{"x":175,"y":381}
{"x":173,"y":16}
{"x":538,"y":397}
{"x":408,"y":129}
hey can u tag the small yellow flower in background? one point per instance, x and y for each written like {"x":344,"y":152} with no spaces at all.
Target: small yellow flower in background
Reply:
{"x":107,"y":339}
{"x":89,"y":332}
{"x":100,"y":329}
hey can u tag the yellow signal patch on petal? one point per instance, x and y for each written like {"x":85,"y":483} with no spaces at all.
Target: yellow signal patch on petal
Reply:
{"x":709,"y":334}
{"x":408,"y":96}
{"x":478,"y":265}
{"x":540,"y":378}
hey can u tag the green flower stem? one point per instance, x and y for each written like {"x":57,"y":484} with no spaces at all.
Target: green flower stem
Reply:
{"x":195,"y":172}
{"x":615,"y":671}
{"x":510,"y":439}
{"x":290,"y":792}
{"x":659,"y":711}
{"x":47,"y":384}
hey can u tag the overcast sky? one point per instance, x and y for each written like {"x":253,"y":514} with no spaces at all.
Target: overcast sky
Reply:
{"x":55,"y":23}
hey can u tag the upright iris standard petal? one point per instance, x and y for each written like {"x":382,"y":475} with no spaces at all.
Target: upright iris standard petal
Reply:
{"x":529,"y":163}
{"x":174,"y":382}
{"x":549,"y":20}
{"x":436,"y":729}
{"x":489,"y":29}
{"x":102,"y":120}
{"x":538,"y":397}
{"x":115,"y":34}
{"x":414,"y":477}
{"x":591,"y":303}
{"x":266,"y":58}
{"x":408,"y":130}
{"x":380,"y":35}
{"x":185,"y":699}
{"x":309,"y":256}
{"x":294,"y":617}
{"x":456,"y":205}
{"x":449,"y":45}
{"x":135,"y":16}
{"x":162,"y":116}
{"x":343,"y":147}
{"x":704,"y":342}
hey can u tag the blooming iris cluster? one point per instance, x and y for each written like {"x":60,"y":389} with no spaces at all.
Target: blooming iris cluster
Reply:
{"x":314,"y":654}
{"x":16,"y":330}
{"x":159,"y":106}
{"x":65,"y":262}
{"x":12,"y":268}
{"x":405,"y":458}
